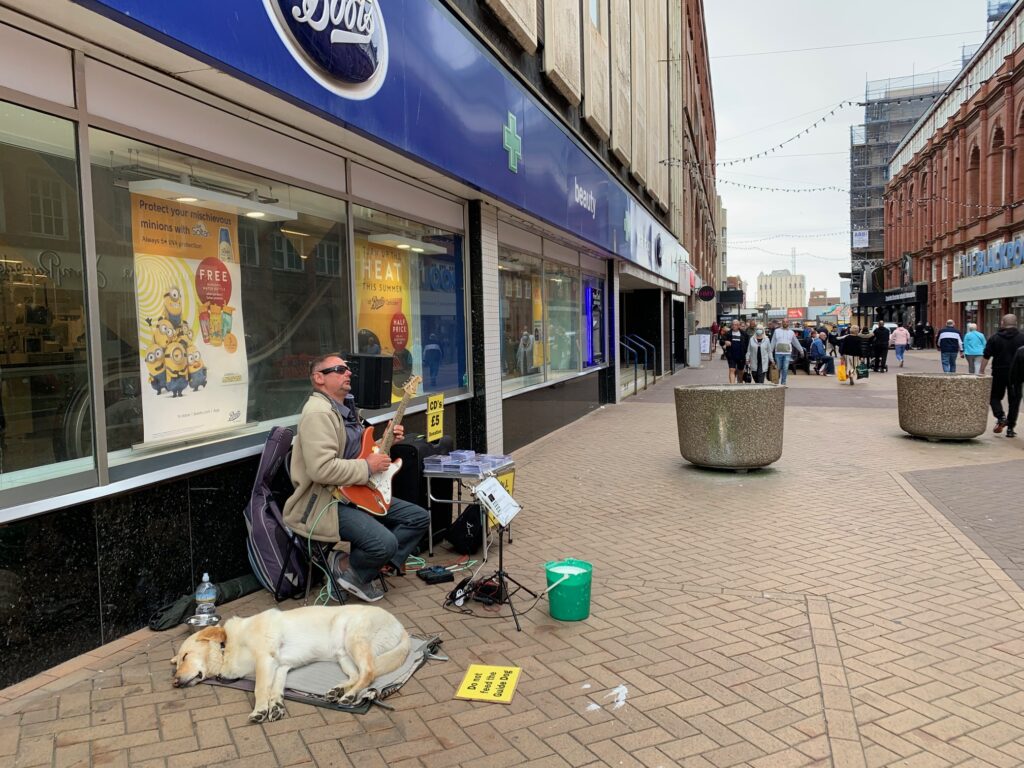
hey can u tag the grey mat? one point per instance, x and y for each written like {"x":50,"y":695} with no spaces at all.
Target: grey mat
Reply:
{"x":310,"y":684}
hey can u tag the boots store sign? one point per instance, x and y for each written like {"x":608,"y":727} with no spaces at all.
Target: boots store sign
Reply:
{"x":342,"y":44}
{"x":409,"y":76}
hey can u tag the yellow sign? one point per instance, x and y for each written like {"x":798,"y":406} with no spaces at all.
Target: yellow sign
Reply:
{"x":508,"y":480}
{"x":486,"y":683}
{"x":435,"y":417}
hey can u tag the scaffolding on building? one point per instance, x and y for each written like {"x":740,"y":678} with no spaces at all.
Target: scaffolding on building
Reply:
{"x":891,"y":108}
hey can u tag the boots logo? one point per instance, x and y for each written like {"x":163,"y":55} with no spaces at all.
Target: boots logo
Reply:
{"x":342,"y":44}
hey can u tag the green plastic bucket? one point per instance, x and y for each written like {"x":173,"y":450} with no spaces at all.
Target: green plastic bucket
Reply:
{"x":569,"y":585}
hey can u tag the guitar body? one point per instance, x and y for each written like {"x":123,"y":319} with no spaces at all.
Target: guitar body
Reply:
{"x":375,"y":496}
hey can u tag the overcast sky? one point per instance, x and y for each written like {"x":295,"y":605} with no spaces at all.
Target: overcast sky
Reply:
{"x":760,"y":101}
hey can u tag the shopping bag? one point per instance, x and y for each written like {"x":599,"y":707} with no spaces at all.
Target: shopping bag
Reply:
{"x":747,"y":378}
{"x":862,"y":371}
{"x":773,"y":374}
{"x":841,"y":372}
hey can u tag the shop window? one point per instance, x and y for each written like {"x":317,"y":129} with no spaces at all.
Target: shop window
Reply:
{"x":410,"y":300}
{"x":200,"y":336}
{"x":521,"y":313}
{"x":562,"y":302}
{"x":592,"y":321}
{"x":47,"y":206}
{"x":44,"y":380}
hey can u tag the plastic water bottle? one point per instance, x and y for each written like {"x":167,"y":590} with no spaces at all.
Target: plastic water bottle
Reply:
{"x":206,"y":599}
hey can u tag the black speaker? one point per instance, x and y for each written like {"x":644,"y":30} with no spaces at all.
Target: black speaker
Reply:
{"x":371,"y":380}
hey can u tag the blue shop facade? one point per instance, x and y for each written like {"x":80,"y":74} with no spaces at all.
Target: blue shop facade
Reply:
{"x":198,"y":199}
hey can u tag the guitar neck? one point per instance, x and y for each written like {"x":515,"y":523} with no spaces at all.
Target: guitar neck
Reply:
{"x":389,"y":434}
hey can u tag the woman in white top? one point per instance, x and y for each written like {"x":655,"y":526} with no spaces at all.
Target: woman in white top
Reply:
{"x":759,"y":355}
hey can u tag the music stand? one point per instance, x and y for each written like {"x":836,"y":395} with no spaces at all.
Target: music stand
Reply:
{"x":501,"y":507}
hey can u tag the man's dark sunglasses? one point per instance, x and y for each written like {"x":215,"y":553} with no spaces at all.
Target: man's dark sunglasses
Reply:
{"x":335,"y":369}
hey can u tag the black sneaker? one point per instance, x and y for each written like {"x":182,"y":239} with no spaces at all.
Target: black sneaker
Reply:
{"x":364,"y":590}
{"x":1010,"y":433}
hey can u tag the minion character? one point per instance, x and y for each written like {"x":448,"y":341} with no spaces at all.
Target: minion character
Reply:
{"x":185,"y":333}
{"x":163,"y":332}
{"x":172,"y":305}
{"x":155,"y":366}
{"x":196,"y":369}
{"x":176,"y":363}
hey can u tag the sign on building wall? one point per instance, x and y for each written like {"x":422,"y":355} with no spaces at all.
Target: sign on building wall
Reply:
{"x":860,"y":238}
{"x":191,"y":335}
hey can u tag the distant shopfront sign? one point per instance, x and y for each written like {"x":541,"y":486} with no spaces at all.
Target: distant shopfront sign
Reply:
{"x":795,"y":314}
{"x":993,"y":285}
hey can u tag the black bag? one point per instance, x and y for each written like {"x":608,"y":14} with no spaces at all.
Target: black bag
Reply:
{"x":171,"y":615}
{"x":279,"y":566}
{"x":466,"y":534}
{"x":747,"y":378}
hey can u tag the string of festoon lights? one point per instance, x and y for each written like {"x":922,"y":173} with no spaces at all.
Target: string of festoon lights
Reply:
{"x":786,"y":255}
{"x":759,"y":188}
{"x":788,"y":236}
{"x":845,"y":103}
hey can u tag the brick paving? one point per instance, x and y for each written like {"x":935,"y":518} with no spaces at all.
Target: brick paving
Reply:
{"x":823,"y":612}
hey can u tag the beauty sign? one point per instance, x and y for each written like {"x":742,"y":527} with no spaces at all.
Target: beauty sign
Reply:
{"x":489,"y":683}
{"x":191,"y":336}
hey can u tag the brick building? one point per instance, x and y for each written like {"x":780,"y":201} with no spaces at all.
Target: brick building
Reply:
{"x":953,"y":210}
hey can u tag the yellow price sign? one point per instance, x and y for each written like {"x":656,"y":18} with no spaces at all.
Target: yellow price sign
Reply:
{"x":489,"y":683}
{"x":435,"y":417}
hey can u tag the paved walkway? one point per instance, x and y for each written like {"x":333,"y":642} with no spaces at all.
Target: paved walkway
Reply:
{"x":823,"y":612}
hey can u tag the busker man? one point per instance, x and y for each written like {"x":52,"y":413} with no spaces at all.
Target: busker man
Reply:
{"x":950,"y":344}
{"x":324,"y":456}
{"x":880,"y":350}
{"x":1001,"y":349}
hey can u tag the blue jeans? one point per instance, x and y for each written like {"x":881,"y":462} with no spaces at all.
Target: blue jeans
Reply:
{"x":900,"y":349}
{"x":827,"y":363}
{"x":949,"y":362}
{"x":376,"y":541}
{"x":782,"y":361}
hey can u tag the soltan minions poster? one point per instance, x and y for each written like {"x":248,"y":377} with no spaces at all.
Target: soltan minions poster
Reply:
{"x":191,"y":333}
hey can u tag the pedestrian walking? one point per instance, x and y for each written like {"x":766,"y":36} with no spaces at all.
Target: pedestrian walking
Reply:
{"x":1015,"y":386}
{"x":1001,"y":348}
{"x":735,"y":348}
{"x":850,"y":349}
{"x":784,"y":346}
{"x":900,"y":339}
{"x":919,"y":336}
{"x":880,"y":348}
{"x":950,"y":344}
{"x":929,"y":336}
{"x":974,"y":347}
{"x":759,"y":355}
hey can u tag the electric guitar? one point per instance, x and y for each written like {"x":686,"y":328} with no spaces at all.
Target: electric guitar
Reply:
{"x":375,"y":496}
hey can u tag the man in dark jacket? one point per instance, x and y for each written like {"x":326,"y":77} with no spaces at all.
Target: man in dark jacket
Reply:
{"x":950,"y":344}
{"x":1001,"y":348}
{"x":880,"y":350}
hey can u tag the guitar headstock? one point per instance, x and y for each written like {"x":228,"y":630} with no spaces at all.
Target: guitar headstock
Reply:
{"x":412,"y":385}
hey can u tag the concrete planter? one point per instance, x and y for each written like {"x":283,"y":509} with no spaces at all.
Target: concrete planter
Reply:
{"x":943,"y":406}
{"x":730,"y":426}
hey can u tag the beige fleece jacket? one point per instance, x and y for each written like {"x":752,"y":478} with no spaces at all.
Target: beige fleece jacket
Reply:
{"x":317,"y":468}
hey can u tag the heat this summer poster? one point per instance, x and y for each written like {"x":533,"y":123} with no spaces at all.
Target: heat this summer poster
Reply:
{"x":383,"y":309}
{"x":191,"y":334}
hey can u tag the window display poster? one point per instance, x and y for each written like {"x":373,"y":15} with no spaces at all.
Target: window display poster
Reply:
{"x":191,"y":333}
{"x":534,"y":293}
{"x":383,"y":307}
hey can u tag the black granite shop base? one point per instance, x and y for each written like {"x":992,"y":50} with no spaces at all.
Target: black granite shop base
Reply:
{"x":76,"y":578}
{"x":534,"y":414}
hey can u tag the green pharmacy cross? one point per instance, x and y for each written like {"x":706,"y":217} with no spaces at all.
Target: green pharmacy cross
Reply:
{"x":512,"y":143}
